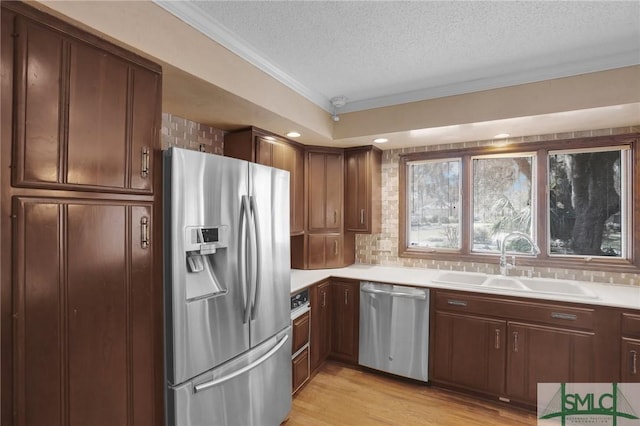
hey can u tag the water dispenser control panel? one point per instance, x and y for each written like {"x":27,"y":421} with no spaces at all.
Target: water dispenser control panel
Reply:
{"x":206,"y":239}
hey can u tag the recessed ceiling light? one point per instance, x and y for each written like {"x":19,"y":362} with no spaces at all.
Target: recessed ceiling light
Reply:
{"x":293,"y":134}
{"x":502,"y":135}
{"x":381,"y":140}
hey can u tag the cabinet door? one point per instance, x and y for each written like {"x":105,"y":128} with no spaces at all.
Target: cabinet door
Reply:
{"x":39,"y":73}
{"x":333,"y":251}
{"x":320,"y":323}
{"x":630,"y":360}
{"x":85,"y":313}
{"x":362,"y":190}
{"x":469,"y":352}
{"x":334,"y":190}
{"x":316,"y":256}
{"x":97,"y":117}
{"x":87,"y":119}
{"x":346,"y":307}
{"x":538,"y":354}
{"x":325,"y":189}
{"x":324,"y":251}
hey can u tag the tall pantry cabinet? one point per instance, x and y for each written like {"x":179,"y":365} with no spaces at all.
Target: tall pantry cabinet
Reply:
{"x":81,"y":266}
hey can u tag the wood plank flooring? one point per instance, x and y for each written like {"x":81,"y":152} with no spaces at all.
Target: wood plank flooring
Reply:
{"x":340,"y":395}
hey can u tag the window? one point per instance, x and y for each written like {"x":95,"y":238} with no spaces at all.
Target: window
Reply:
{"x":588,"y":195}
{"x":502,"y":201}
{"x":576,"y":203}
{"x":434,"y":204}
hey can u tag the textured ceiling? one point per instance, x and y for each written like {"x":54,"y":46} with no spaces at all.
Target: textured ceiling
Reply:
{"x":379,"y":53}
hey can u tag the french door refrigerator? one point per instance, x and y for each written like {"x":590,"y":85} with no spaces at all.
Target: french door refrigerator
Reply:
{"x":227,"y":285}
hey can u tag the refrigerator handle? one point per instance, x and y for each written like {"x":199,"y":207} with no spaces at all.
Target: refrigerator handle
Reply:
{"x":263,"y":358}
{"x":242,"y":258}
{"x":258,"y":262}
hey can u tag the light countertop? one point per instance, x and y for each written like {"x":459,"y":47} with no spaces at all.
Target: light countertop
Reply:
{"x":614,"y":295}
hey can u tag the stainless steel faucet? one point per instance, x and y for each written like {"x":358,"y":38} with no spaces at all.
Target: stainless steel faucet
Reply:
{"x":504,"y":265}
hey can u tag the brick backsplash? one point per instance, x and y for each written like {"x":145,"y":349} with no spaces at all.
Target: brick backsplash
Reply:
{"x":183,"y":133}
{"x":382,"y":248}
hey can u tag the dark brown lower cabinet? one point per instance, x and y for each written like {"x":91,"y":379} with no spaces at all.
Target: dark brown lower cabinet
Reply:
{"x":320,"y":297}
{"x":84,"y":300}
{"x":469,"y":351}
{"x":503,"y":347}
{"x":538,"y":354}
{"x":346,"y":318}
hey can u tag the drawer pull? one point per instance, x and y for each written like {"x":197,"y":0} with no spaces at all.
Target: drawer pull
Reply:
{"x":457,"y":302}
{"x":144,"y":232}
{"x":562,"y":315}
{"x":634,"y":361}
{"x":144,"y":170}
{"x":497,"y":341}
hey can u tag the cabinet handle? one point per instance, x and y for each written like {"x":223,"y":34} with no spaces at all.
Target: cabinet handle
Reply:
{"x":361,"y":216}
{"x":324,"y":299}
{"x":562,"y":315}
{"x":144,"y":232}
{"x":515,"y":341}
{"x":144,"y":170}
{"x":634,"y":361}
{"x":335,"y":216}
{"x":335,"y":247}
{"x":497,"y":340}
{"x":456,"y":302}
{"x":346,"y":297}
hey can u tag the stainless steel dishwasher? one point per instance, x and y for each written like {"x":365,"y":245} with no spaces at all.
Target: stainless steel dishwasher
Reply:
{"x":394,"y":329}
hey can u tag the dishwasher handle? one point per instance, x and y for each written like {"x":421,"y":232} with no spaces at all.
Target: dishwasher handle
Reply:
{"x":416,"y":296}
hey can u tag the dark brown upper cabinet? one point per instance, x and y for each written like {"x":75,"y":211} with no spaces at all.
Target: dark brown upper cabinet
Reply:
{"x":362,"y":198}
{"x":324,"y":191}
{"x":259,"y":146}
{"x":85,"y":118}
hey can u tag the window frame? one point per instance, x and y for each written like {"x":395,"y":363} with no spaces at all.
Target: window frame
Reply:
{"x":544,"y":259}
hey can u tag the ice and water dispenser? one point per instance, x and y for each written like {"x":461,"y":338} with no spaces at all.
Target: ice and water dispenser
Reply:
{"x":205,"y":247}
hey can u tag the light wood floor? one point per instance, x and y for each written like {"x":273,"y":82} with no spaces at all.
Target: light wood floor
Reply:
{"x":339,"y":395}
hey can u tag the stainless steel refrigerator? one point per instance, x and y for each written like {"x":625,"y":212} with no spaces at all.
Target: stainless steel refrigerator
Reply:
{"x":227,"y":285}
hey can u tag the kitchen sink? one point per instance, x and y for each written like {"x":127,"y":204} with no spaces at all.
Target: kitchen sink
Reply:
{"x":461,"y":278}
{"x":551,"y":286}
{"x":520,"y":284}
{"x":504,"y":282}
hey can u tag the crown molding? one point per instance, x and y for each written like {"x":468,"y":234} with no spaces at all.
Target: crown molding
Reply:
{"x":191,"y":15}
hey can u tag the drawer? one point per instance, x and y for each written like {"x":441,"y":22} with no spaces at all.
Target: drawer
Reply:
{"x":300,"y":369}
{"x":517,"y":309}
{"x":631,"y":325}
{"x":300,"y":332}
